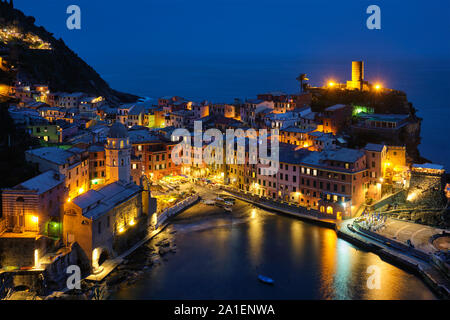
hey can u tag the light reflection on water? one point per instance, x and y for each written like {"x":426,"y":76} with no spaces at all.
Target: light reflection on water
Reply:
{"x":219,"y":256}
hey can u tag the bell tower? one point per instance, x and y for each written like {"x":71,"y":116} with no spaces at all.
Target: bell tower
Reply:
{"x":118,"y":154}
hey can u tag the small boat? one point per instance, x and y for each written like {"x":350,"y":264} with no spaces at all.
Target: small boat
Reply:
{"x":265,"y":279}
{"x":229,"y":199}
{"x":209,"y":202}
{"x":219,"y":199}
{"x":228,"y":209}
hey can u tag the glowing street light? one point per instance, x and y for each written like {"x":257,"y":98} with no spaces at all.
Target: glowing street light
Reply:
{"x":331,"y":84}
{"x":411,"y":196}
{"x":377,"y":87}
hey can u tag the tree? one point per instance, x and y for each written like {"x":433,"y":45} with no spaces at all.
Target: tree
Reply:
{"x":302,"y":77}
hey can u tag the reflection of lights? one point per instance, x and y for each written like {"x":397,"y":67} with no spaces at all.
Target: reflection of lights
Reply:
{"x":411,"y":196}
{"x":36,"y":258}
{"x":253,"y":213}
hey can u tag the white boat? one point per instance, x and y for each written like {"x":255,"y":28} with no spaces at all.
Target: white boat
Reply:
{"x":228,"y":209}
{"x":209,"y":202}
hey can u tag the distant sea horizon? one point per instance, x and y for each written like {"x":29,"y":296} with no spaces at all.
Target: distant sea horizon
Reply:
{"x":222,"y":78}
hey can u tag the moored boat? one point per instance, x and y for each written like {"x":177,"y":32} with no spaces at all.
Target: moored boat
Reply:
{"x":265,"y":279}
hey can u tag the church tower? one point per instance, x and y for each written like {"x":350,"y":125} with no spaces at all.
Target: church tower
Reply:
{"x":118,"y":154}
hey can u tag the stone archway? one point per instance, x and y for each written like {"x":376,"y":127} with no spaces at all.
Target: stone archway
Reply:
{"x":103,"y":257}
{"x":99,"y":256}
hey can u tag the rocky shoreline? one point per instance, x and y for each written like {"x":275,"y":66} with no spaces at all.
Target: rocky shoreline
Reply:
{"x":144,"y":259}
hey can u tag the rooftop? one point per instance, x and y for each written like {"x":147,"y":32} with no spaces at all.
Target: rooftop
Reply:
{"x":118,"y":131}
{"x":335,"y":107}
{"x":142,"y":135}
{"x":428,"y":166}
{"x":96,"y":203}
{"x":374,"y":147}
{"x":296,"y":130}
{"x":52,"y":154}
{"x":383,"y":117}
{"x":43,"y":182}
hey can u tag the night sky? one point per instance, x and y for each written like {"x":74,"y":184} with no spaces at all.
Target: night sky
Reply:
{"x":410,"y":29}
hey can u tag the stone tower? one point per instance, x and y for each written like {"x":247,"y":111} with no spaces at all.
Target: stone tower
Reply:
{"x":118,"y":154}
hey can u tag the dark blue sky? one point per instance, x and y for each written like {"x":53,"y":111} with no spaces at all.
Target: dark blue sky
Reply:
{"x":322,"y":29}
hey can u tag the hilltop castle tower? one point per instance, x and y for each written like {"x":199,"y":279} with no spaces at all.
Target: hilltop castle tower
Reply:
{"x":118,"y":154}
{"x":357,"y":81}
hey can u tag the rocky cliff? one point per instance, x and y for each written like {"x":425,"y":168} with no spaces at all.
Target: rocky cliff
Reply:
{"x":32,"y":53}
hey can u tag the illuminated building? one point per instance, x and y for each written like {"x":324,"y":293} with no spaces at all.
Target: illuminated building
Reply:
{"x":118,"y":154}
{"x":72,"y":163}
{"x":357,"y":81}
{"x":97,"y":219}
{"x":334,"y":118}
{"x":32,"y":214}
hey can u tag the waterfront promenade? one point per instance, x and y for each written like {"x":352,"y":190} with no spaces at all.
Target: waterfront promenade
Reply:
{"x":387,"y":249}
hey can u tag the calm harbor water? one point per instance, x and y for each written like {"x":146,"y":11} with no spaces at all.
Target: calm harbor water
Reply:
{"x":219,"y":256}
